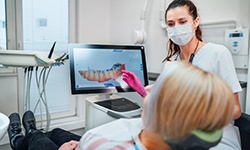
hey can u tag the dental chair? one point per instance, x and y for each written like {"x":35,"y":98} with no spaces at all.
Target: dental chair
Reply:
{"x":243,"y":123}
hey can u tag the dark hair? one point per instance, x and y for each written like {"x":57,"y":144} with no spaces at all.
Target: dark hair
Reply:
{"x":172,"y":47}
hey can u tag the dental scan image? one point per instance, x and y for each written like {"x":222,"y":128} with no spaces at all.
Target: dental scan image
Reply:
{"x":100,"y":68}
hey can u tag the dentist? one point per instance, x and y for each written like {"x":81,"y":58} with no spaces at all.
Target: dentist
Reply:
{"x":185,"y":44}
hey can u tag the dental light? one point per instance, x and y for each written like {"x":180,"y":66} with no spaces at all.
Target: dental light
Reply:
{"x":33,"y":60}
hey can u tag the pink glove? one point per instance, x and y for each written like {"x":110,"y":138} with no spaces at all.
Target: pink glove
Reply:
{"x":132,"y":80}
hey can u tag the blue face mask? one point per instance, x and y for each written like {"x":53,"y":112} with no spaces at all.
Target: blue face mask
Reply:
{"x":181,"y":34}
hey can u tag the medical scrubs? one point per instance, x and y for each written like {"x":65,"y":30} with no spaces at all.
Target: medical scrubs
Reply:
{"x":217,"y":59}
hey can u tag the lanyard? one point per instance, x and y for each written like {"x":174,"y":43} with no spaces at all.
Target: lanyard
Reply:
{"x":191,"y":56}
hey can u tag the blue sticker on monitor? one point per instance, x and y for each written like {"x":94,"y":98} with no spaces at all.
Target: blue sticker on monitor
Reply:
{"x":141,"y":66}
{"x":117,"y":50}
{"x":108,"y":84}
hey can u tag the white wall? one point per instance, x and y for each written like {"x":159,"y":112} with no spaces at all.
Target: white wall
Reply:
{"x":119,"y":19}
{"x":114,"y":21}
{"x":93,"y":21}
{"x":124,"y":19}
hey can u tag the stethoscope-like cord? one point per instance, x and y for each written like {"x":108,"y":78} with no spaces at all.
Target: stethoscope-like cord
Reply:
{"x":193,"y":54}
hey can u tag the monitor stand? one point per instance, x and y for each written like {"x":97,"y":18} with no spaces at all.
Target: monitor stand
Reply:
{"x":104,"y":108}
{"x":103,"y":97}
{"x":108,"y":96}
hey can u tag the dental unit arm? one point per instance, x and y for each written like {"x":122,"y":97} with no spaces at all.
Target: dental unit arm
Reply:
{"x":19,"y":58}
{"x":33,"y":60}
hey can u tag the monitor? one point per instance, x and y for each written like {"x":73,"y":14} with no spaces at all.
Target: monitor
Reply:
{"x":96,"y":68}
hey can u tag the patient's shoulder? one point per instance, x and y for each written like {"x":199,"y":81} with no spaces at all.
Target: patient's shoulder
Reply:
{"x":119,"y":126}
{"x":111,"y":134}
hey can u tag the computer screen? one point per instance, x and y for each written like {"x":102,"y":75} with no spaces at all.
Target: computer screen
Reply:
{"x":96,"y":68}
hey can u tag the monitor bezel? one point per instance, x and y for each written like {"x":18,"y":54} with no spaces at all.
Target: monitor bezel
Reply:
{"x":104,"y":90}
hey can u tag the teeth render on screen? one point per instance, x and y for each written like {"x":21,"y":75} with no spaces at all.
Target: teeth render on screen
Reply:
{"x":103,"y":75}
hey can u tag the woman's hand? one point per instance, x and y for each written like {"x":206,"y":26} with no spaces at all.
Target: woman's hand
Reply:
{"x":71,"y":145}
{"x":132,"y":80}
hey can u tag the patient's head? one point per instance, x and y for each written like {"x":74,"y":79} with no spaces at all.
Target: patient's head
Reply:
{"x":185,"y":98}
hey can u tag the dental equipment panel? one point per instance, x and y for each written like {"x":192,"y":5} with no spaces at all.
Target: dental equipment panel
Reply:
{"x":19,"y":58}
{"x":39,"y":61}
{"x":237,"y":41}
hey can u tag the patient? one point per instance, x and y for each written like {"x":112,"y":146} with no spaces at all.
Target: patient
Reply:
{"x":185,"y":109}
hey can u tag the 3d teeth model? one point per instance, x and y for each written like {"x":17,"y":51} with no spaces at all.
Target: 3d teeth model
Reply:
{"x":103,"y":75}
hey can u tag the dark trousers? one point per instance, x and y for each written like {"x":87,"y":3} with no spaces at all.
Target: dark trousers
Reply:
{"x":51,"y":140}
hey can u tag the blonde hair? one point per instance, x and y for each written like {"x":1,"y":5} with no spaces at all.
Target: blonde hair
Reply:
{"x":185,"y":98}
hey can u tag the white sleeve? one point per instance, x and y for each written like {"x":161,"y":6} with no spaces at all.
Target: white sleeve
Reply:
{"x":226,"y":70}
